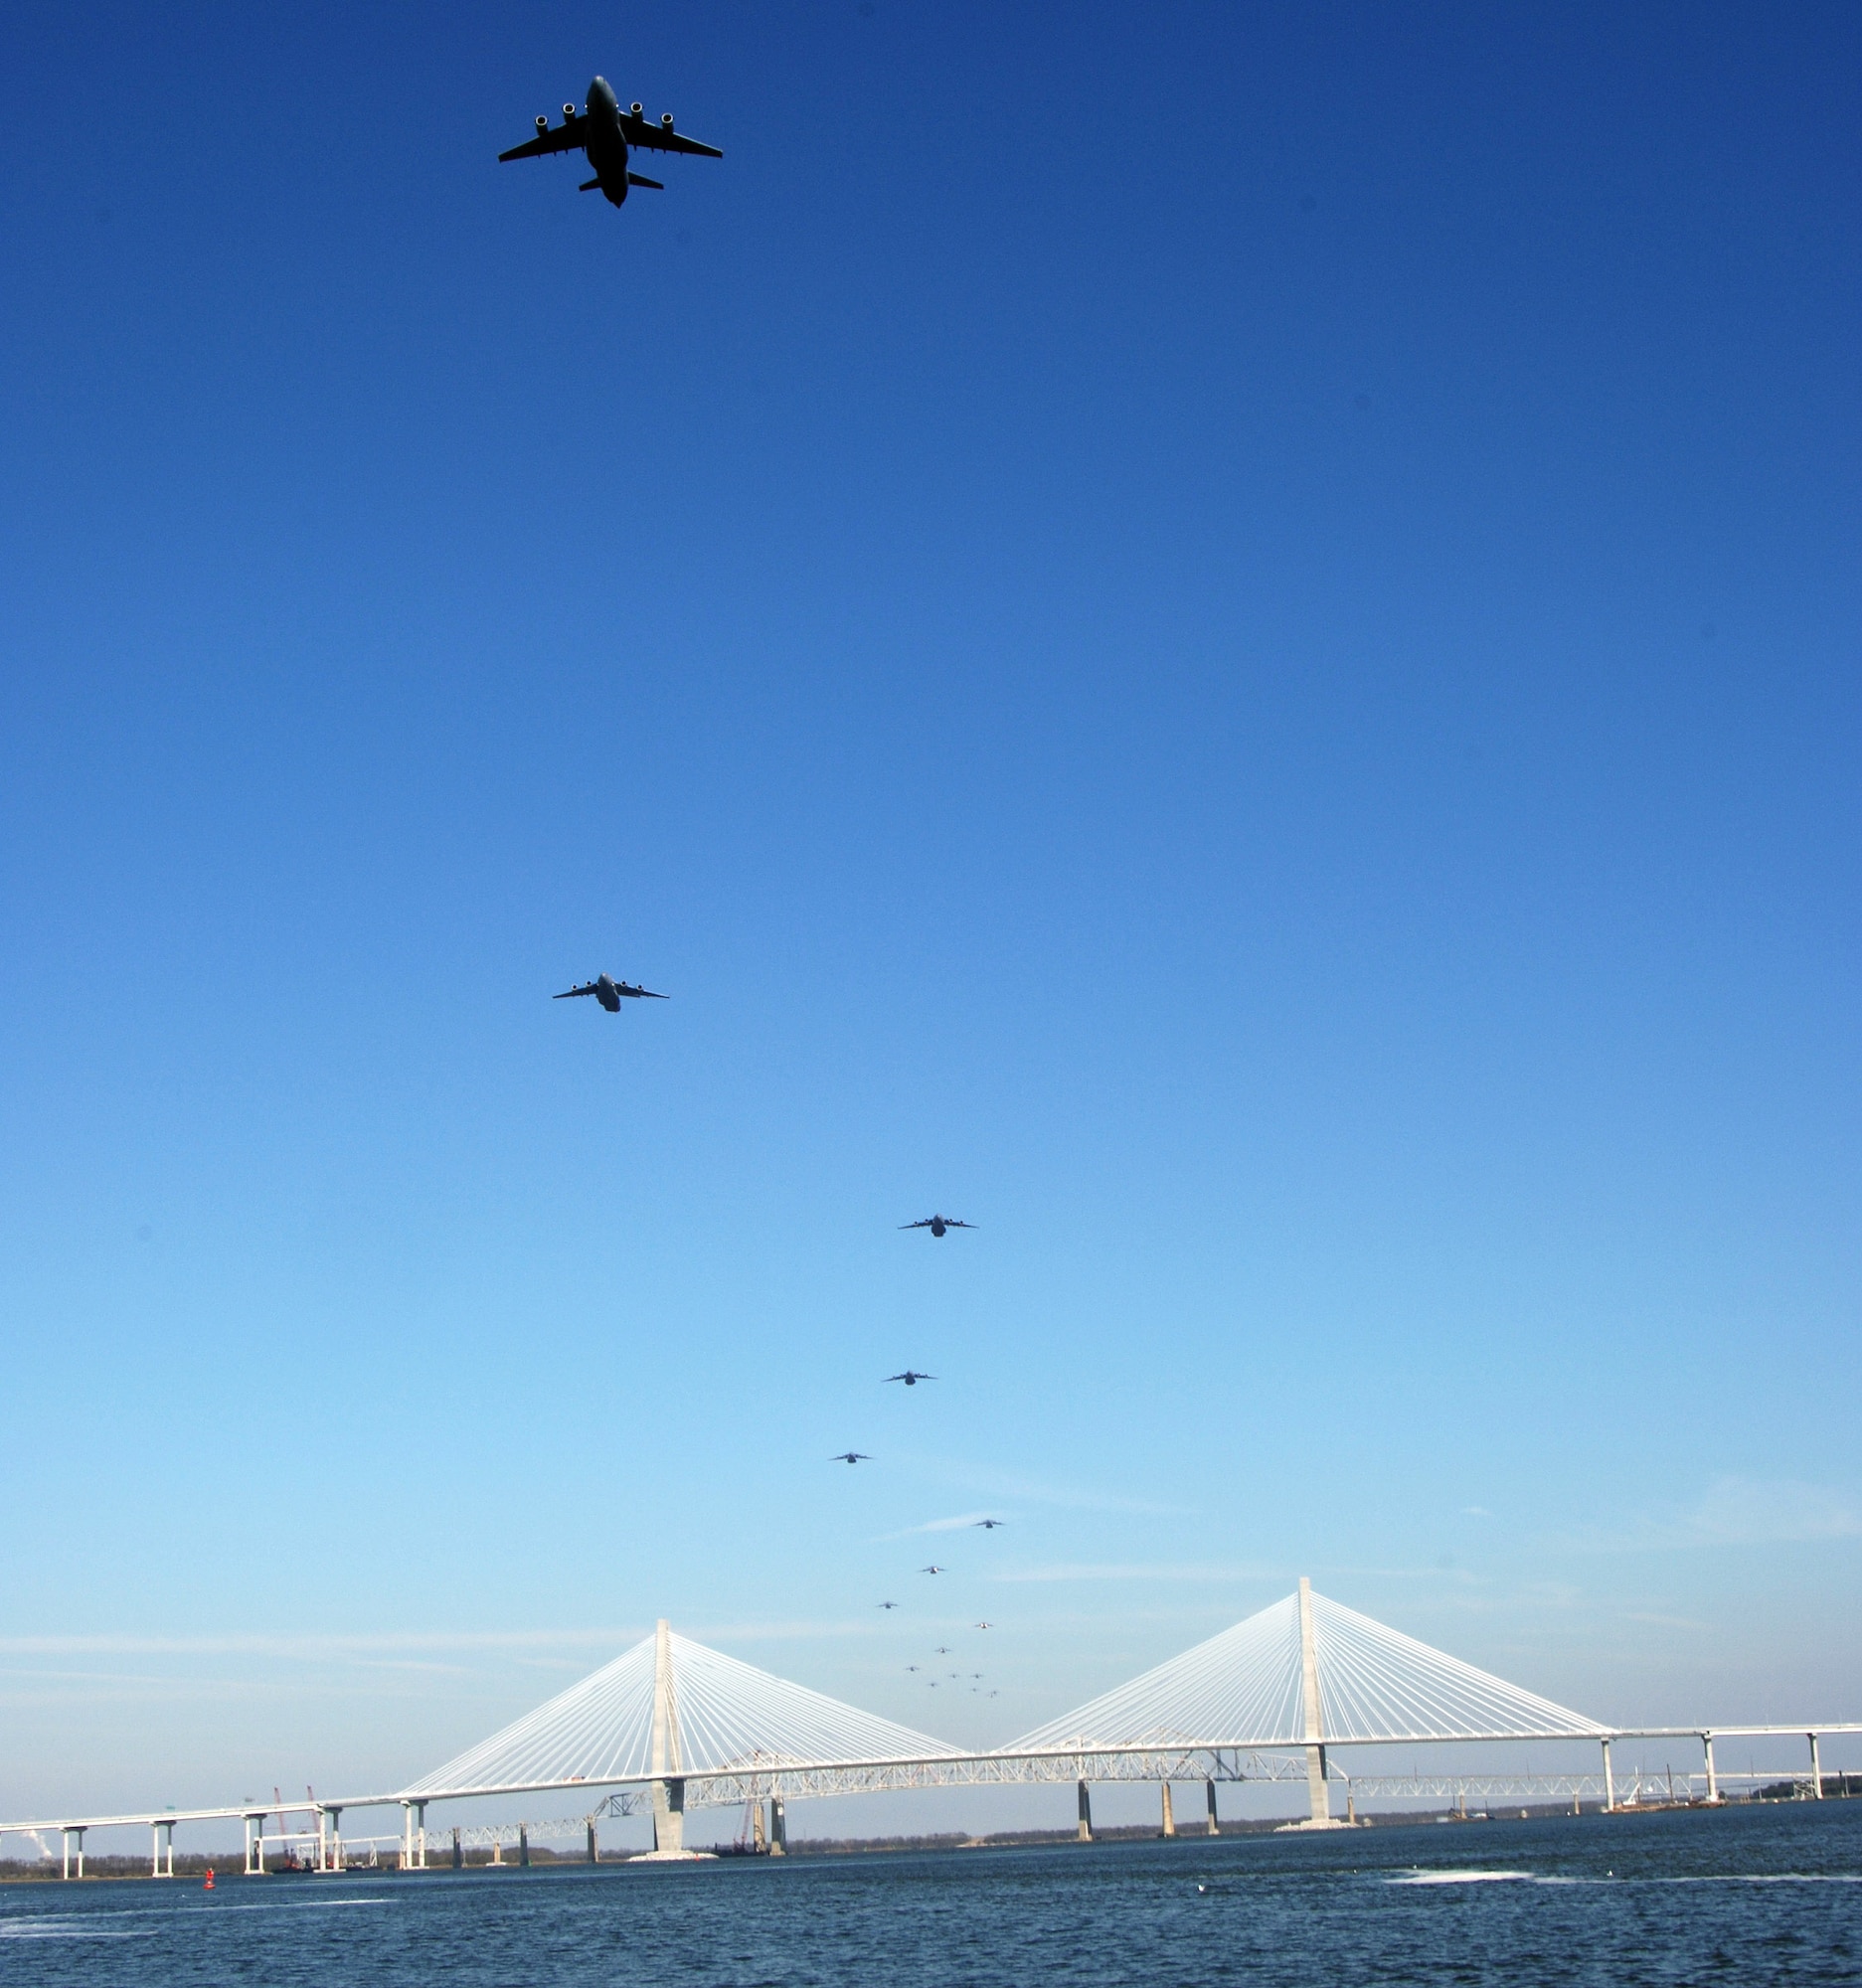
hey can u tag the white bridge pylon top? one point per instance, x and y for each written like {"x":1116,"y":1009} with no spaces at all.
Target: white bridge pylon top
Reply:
{"x":1304,"y":1671}
{"x":717,"y":1715}
{"x":1246,"y":1687}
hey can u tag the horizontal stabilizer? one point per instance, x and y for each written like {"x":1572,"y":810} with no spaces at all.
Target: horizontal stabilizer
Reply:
{"x":588,"y":186}
{"x":640,"y":180}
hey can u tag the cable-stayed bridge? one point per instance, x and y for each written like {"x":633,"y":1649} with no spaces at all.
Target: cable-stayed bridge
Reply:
{"x":671,"y":1726}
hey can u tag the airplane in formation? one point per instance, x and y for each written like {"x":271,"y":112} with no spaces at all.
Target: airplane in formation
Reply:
{"x":989,"y":1525}
{"x":934,"y":1570}
{"x":908,"y":1377}
{"x":850,"y":1456}
{"x":885,"y":1604}
{"x":603,"y":132}
{"x":938,"y":1223}
{"x":610,"y":993}
{"x":985,"y":1625}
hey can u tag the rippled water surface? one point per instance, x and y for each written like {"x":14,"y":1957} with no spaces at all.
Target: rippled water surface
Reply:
{"x":1762,"y":1896}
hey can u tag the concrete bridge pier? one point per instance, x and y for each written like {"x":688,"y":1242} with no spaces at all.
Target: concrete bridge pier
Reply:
{"x":255,"y":1846}
{"x":670,"y":1818}
{"x":1170,"y":1820}
{"x":1610,"y":1782}
{"x":413,"y":1836}
{"x":1816,"y":1773}
{"x":1085,"y":1814}
{"x":161,"y":1850}
{"x":1209,"y":1789}
{"x":78,"y":1834}
{"x":778,"y":1827}
{"x":1713,"y":1784}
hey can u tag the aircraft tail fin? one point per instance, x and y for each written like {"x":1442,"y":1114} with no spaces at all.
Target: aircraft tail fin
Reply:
{"x":640,"y":180}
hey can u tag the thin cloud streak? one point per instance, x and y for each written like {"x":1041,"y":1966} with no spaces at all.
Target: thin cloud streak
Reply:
{"x":1068,"y":1497}
{"x":1159,"y":1570}
{"x":954,"y":1525}
{"x":299,"y":1648}
{"x":1734,"y":1512}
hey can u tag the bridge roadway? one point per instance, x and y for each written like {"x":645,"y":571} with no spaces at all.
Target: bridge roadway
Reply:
{"x":1224,"y":1760}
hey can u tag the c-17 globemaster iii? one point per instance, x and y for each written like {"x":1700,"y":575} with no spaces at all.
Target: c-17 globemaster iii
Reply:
{"x":604,"y":130}
{"x":610,"y":992}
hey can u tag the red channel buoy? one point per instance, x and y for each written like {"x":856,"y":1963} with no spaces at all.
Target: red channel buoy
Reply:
{"x":208,"y":1886}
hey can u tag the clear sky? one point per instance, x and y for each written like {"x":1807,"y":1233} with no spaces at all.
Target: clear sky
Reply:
{"x":1221,"y":640}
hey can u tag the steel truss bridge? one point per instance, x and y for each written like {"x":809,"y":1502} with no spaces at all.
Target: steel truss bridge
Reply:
{"x":672,"y":1726}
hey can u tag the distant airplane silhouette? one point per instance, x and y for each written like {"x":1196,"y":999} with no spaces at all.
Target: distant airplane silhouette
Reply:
{"x":850,"y":1456}
{"x":888,"y":1604}
{"x":934,"y":1570}
{"x":989,"y":1525}
{"x":938,"y":1223}
{"x":985,"y":1625}
{"x":908,"y":1377}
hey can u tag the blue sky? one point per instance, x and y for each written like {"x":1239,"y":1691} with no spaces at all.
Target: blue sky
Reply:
{"x":1222,"y":639}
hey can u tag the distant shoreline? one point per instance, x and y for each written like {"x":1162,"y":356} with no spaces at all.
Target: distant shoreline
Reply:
{"x":227,"y":1869}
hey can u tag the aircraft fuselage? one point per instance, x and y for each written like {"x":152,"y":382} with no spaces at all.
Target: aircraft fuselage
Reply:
{"x":605,"y":147}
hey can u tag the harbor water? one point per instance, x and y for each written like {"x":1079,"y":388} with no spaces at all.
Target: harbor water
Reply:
{"x":1752,"y":1894}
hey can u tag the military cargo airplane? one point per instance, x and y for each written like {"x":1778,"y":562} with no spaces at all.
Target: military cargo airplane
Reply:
{"x":938,"y":1223}
{"x":609,"y":993}
{"x":604,"y":131}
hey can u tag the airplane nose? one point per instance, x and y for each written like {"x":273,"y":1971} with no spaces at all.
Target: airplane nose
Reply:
{"x":600,"y":92}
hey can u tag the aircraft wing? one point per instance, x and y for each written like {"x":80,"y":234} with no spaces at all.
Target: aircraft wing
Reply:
{"x":569,"y":137}
{"x":662,"y":138}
